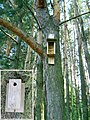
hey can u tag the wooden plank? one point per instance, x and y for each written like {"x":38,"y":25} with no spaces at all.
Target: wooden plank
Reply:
{"x":21,"y":109}
{"x":51,"y":60}
{"x":47,"y":48}
{"x":14,"y":93}
{"x":54,"y":47}
{"x":22,"y":99}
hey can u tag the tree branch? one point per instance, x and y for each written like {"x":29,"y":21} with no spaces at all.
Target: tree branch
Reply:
{"x":8,"y":35}
{"x":74,"y":18}
{"x":18,"y":32}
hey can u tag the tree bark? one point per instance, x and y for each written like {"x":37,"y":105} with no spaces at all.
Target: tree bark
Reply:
{"x":53,"y":78}
{"x":39,"y":83}
{"x":66,"y":74}
{"x":81,"y":67}
{"x":82,"y":77}
{"x":84,"y":39}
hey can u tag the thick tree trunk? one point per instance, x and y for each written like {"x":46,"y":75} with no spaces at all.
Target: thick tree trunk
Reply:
{"x":53,"y":78}
{"x":54,"y":89}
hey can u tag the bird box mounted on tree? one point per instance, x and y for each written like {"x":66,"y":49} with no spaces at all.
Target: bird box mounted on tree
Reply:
{"x":41,"y":4}
{"x":15,"y":93}
{"x":51,"y":48}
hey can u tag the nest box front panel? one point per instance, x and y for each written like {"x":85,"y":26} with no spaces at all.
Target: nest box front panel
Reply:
{"x":21,"y":109}
{"x":14,"y":93}
{"x":13,"y":109}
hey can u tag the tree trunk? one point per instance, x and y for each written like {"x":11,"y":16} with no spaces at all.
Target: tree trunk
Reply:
{"x":55,"y":89}
{"x":82,"y":73}
{"x":53,"y":78}
{"x":39,"y":83}
{"x":83,"y":87}
{"x":28,"y":59}
{"x":16,"y":66}
{"x":66,"y":65}
{"x":84,"y":39}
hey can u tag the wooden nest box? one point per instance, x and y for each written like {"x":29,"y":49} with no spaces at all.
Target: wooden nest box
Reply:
{"x":51,"y":48}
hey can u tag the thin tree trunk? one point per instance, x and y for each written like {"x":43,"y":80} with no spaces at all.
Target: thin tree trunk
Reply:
{"x":39,"y":82}
{"x":28,"y":58}
{"x":17,"y":53}
{"x":70,"y":46}
{"x":82,"y":73}
{"x":66,"y":65}
{"x":84,"y":39}
{"x":83,"y":87}
{"x":82,"y":77}
{"x":18,"y":47}
{"x":74,"y":72}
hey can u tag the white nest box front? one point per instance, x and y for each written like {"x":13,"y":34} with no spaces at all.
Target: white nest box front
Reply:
{"x":51,"y":48}
{"x":15,"y":96}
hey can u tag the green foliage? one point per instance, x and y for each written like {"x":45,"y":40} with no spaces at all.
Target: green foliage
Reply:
{"x":17,"y":13}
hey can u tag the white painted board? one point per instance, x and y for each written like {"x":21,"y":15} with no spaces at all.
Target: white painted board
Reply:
{"x":51,"y":60}
{"x":21,"y":109}
{"x":15,"y":96}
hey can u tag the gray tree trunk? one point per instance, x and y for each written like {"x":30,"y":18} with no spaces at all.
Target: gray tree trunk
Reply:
{"x":83,"y":88}
{"x":82,"y":73}
{"x":53,"y":78}
{"x":39,"y":83}
{"x":66,"y":71}
{"x":55,"y":89}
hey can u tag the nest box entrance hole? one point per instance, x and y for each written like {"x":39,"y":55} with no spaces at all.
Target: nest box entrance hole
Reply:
{"x":14,"y":84}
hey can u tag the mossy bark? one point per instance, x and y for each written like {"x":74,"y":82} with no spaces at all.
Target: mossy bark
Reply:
{"x":55,"y":88}
{"x":39,"y":97}
{"x":53,"y":78}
